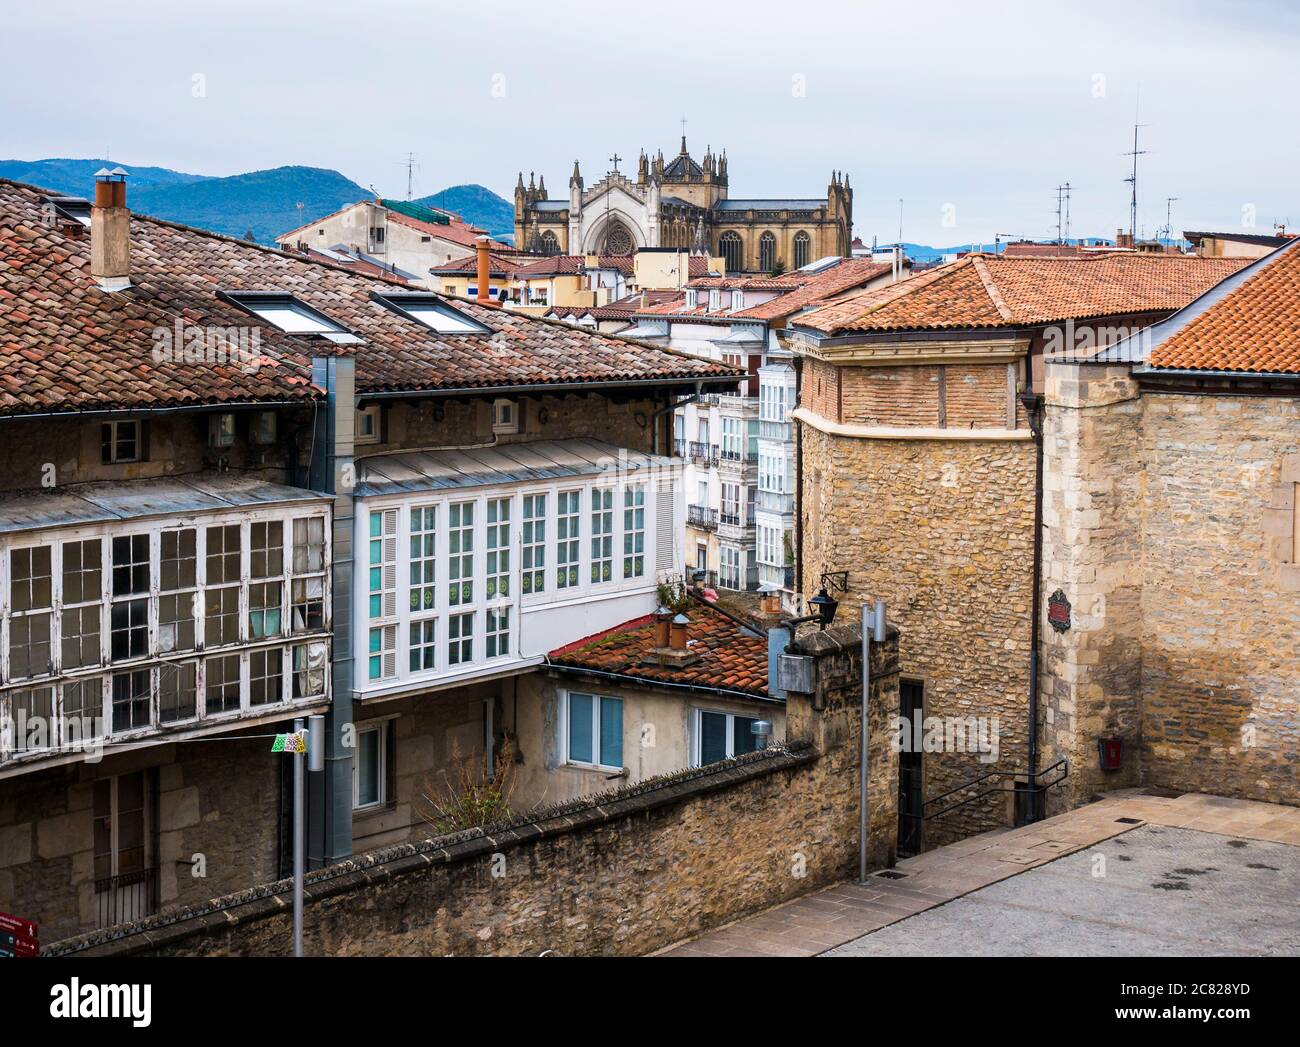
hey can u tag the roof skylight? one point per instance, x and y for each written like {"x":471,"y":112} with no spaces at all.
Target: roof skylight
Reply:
{"x":290,"y":315}
{"x":431,"y":311}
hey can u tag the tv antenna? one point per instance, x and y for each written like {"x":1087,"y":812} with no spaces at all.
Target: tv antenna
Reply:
{"x":1063,"y":213}
{"x":409,"y":162}
{"x":1133,"y":181}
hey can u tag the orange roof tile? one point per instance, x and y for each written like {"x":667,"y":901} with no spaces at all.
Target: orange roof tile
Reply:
{"x":1255,"y":327}
{"x":730,"y":658}
{"x":983,"y":291}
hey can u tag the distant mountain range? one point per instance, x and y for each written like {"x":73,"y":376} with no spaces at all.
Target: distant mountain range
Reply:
{"x":263,"y":203}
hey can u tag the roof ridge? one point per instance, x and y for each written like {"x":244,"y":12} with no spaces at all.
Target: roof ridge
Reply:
{"x":990,"y":288}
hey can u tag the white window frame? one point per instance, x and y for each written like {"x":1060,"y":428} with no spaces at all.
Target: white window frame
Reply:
{"x":696,"y":732}
{"x":596,"y":698}
{"x":380,"y":727}
{"x":114,"y":427}
{"x":505,"y":415}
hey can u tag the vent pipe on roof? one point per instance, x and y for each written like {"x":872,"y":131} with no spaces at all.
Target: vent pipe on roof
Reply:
{"x":110,"y":231}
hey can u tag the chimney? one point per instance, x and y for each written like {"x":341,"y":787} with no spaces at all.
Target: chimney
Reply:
{"x":110,"y":231}
{"x":677,"y":632}
{"x":672,"y":649}
{"x":484,"y":298}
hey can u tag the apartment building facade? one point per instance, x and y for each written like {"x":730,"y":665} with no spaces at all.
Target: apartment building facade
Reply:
{"x":247,"y":486}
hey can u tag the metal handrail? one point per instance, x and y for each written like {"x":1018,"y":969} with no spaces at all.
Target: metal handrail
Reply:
{"x":1062,"y":763}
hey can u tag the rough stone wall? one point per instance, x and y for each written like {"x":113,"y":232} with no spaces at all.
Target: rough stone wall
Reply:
{"x":462,"y":422}
{"x":1169,"y":525}
{"x":216,"y":800}
{"x":1093,"y":493}
{"x":40,"y":453}
{"x":1221,"y":601}
{"x":942,"y":530}
{"x":624,"y":874}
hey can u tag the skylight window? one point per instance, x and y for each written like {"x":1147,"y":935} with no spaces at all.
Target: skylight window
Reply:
{"x":431,"y":311}
{"x":290,"y":315}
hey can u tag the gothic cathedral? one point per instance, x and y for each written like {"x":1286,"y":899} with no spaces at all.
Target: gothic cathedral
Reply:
{"x":684,"y":204}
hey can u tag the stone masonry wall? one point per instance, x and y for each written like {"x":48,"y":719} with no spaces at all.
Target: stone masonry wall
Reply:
{"x":1221,"y":597}
{"x":217,"y":800}
{"x":1169,"y":525}
{"x":942,"y":530}
{"x":1093,"y":491}
{"x":621,"y":874}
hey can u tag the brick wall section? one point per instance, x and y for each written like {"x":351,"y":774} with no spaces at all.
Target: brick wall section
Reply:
{"x":820,"y":389}
{"x":942,"y":530}
{"x":620,"y":874}
{"x":975,"y":396}
{"x":1164,"y":520}
{"x":891,"y":395}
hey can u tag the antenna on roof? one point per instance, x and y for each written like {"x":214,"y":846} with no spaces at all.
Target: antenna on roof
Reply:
{"x":1133,"y":181}
{"x":409,"y":162}
{"x":1063,"y":213}
{"x":1169,"y":218}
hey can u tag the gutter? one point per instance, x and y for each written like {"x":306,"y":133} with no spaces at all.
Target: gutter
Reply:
{"x":180,"y":409}
{"x":729,"y":381}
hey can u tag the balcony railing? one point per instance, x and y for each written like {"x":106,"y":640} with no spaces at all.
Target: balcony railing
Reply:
{"x":701,"y":517}
{"x":702,"y":453}
{"x":130,"y":896}
{"x":729,"y":519}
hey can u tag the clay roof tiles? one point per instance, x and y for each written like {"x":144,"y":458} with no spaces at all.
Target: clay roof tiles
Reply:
{"x":67,"y":345}
{"x":986,"y":291}
{"x":1254,"y":327}
{"x":731,"y":658}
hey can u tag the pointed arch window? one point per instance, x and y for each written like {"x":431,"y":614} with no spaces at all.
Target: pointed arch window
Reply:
{"x":731,"y":247}
{"x":802,"y":249}
{"x":550,"y":243}
{"x":767,"y":252}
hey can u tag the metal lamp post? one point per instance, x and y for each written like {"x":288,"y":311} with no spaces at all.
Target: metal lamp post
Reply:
{"x":876,"y":618}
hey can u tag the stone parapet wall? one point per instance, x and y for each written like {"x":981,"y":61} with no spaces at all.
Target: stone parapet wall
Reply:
{"x":621,"y":873}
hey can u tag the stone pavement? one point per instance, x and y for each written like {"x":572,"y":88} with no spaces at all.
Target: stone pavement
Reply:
{"x":845,"y":912}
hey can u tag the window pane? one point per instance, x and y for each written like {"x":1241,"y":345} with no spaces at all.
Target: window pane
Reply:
{"x":611,"y":732}
{"x":580,"y":728}
{"x":367,"y":768}
{"x":713,"y":737}
{"x":742,"y":736}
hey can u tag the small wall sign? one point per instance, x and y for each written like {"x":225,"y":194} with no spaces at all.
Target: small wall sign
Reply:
{"x":1058,"y":611}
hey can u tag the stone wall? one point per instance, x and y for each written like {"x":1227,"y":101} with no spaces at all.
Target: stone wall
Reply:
{"x":943,"y":531}
{"x":217,"y":806}
{"x":1169,"y":522}
{"x":1093,"y":493}
{"x":620,"y":874}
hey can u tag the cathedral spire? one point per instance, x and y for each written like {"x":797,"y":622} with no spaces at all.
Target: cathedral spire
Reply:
{"x":576,"y":177}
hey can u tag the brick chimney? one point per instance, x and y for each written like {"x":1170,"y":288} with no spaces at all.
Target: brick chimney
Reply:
{"x":110,"y":231}
{"x":481,"y":246}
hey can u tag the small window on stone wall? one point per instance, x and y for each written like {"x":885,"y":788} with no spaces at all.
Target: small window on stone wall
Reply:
{"x":1282,"y":524}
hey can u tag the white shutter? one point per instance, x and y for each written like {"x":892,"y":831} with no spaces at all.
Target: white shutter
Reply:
{"x":664,"y":536}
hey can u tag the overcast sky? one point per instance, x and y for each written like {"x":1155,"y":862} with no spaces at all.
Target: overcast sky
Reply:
{"x":972,"y":116}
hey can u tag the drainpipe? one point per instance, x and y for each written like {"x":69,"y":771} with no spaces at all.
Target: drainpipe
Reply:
{"x":1033,"y":403}
{"x":330,"y":796}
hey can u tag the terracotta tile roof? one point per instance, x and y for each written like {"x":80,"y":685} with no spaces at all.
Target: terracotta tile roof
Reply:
{"x":500,"y":265}
{"x":981,"y":291}
{"x":1255,"y":327}
{"x":555,"y":265}
{"x":730,"y":658}
{"x":627,"y":307}
{"x":67,"y":345}
{"x":455,"y":231}
{"x":696,"y":265}
{"x":624,"y":263}
{"x":784,"y":282}
{"x":850,"y":273}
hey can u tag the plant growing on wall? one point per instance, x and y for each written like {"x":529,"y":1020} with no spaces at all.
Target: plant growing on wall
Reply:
{"x":673,"y":593}
{"x":463,"y":796}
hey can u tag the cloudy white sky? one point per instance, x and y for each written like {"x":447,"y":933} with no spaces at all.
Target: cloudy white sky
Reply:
{"x":972,"y":113}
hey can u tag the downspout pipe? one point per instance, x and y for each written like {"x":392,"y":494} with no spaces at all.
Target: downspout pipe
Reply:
{"x":1033,"y":403}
